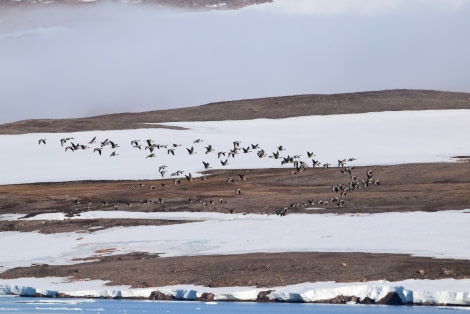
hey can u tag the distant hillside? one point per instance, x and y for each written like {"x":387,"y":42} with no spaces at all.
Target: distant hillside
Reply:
{"x":188,"y":4}
{"x":272,"y":107}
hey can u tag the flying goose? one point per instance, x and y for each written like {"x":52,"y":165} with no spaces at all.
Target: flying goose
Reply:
{"x":64,"y":140}
{"x":113,"y":154}
{"x":246,"y":150}
{"x":189,"y":177}
{"x":224,"y":163}
{"x":275,"y":155}
{"x":198,"y":141}
{"x":310,"y":155}
{"x":93,"y":141}
{"x":261,"y":153}
{"x":242,"y":176}
{"x":113,"y":145}
{"x":209,"y":149}
{"x":135,"y":143}
{"x":280,"y":148}
{"x":191,"y":150}
{"x":341,"y":163}
{"x":236,"y":144}
{"x":171,"y":151}
{"x":220,"y":154}
{"x":42,"y":141}
{"x":206,"y":165}
{"x":98,"y":149}
{"x":177,"y":173}
{"x":254,"y":146}
{"x":152,"y":155}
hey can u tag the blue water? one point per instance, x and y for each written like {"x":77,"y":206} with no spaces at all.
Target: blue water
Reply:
{"x":10,"y":304}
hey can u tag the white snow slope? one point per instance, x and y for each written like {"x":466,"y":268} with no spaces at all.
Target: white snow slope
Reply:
{"x":372,"y":138}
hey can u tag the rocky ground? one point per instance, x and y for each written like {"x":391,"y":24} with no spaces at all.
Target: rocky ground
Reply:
{"x":409,"y":187}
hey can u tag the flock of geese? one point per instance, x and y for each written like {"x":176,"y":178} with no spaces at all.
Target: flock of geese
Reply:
{"x":297,"y":164}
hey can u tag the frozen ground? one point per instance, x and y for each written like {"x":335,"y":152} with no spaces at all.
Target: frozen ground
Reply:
{"x":372,"y":138}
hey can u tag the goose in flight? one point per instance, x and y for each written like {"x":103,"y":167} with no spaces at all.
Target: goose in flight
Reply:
{"x":64,"y":140}
{"x":152,"y":155}
{"x":98,"y":149}
{"x":209,"y":149}
{"x":93,"y":141}
{"x":206,"y":165}
{"x":113,"y":145}
{"x":171,"y":151}
{"x":42,"y":141}
{"x":220,"y":154}
{"x":191,"y":150}
{"x":198,"y":141}
{"x":310,"y":155}
{"x":224,"y":163}
{"x":189,"y":177}
{"x":113,"y":154}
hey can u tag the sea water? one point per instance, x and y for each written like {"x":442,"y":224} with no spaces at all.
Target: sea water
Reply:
{"x":12,"y":304}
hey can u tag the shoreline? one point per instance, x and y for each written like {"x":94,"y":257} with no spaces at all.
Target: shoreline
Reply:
{"x":372,"y":293}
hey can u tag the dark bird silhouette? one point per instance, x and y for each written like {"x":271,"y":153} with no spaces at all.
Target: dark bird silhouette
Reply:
{"x":191,"y":150}
{"x":98,"y":149}
{"x":209,"y":149}
{"x":224,"y":163}
{"x":206,"y":165}
{"x":93,"y":141}
{"x":42,"y":141}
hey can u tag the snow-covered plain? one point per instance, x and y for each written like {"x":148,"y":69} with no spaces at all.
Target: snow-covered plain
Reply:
{"x":372,"y":138}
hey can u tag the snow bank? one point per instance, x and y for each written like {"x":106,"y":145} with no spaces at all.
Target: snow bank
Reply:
{"x":379,"y":138}
{"x":410,"y":291}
